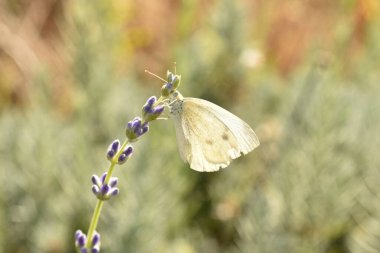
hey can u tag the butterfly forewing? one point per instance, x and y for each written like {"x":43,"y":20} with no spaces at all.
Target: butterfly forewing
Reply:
{"x":209,"y":137}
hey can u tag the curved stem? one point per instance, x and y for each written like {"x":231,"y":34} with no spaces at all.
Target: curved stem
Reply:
{"x":94,"y":222}
{"x":99,"y":204}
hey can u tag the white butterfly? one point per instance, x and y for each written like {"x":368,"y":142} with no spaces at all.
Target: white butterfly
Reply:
{"x":208,"y":136}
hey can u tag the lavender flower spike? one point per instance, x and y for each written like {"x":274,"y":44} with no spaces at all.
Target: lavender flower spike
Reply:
{"x":172,"y":84}
{"x":103,"y":190}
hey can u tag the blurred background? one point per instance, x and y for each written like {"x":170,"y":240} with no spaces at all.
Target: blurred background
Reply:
{"x":304,"y":74}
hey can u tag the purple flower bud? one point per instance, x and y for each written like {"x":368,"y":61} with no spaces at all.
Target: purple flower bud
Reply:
{"x":83,"y":250}
{"x":114,"y":192}
{"x":133,"y":129}
{"x":149,"y":104}
{"x":147,"y":110}
{"x":103,"y":178}
{"x":110,"y":154}
{"x":77,"y":234}
{"x":104,"y":189}
{"x":95,"y":189}
{"x":96,"y":180}
{"x":112,"y":149}
{"x":136,"y":123}
{"x":113,"y":182}
{"x":145,"y":128}
{"x":125,"y":155}
{"x":122,"y":159}
{"x":80,"y":240}
{"x":151,"y":100}
{"x":115,"y":145}
{"x":95,"y":250}
{"x":128,"y":151}
{"x":95,"y":239}
{"x":152,"y":113}
{"x":158,"y":109}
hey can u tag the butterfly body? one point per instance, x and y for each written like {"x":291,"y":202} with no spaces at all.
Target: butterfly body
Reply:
{"x":209,"y":137}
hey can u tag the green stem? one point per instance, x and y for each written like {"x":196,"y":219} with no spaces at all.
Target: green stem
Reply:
{"x":94,"y":222}
{"x":99,"y":204}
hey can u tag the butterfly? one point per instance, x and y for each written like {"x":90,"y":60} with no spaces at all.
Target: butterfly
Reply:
{"x":208,"y":136}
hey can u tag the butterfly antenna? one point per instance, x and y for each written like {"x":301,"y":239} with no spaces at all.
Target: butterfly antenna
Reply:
{"x":175,"y":68}
{"x":150,"y":73}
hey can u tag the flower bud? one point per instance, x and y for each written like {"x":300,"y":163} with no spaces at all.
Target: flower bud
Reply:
{"x":95,"y":189}
{"x":165,"y":91}
{"x":113,"y":148}
{"x":176,"y":81}
{"x":113,"y":181}
{"x":96,"y":180}
{"x":125,"y":155}
{"x":169,"y":76}
{"x":133,"y":129}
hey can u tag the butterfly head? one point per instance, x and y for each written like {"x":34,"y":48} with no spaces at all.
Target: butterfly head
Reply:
{"x":175,"y":96}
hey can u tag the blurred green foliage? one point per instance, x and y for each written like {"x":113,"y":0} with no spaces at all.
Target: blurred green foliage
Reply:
{"x":311,"y":95}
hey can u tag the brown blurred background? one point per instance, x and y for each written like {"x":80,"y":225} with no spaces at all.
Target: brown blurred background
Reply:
{"x":303,"y":73}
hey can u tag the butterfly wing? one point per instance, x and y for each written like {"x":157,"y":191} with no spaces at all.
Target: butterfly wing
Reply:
{"x":209,"y":137}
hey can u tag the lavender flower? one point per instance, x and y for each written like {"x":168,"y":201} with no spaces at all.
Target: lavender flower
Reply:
{"x":172,"y":84}
{"x":150,"y":111}
{"x":103,"y":190}
{"x":81,"y":241}
{"x":135,"y":128}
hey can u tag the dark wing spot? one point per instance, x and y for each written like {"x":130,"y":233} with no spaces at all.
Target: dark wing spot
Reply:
{"x":225,"y":136}
{"x":209,"y":142}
